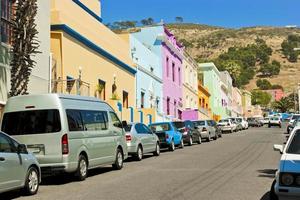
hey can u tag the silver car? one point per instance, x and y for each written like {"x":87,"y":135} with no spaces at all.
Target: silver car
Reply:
{"x":207,"y":132}
{"x":141,"y":140}
{"x":19,"y":169}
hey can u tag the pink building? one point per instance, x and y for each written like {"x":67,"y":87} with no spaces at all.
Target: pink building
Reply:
{"x":172,"y":54}
{"x":277,"y":94}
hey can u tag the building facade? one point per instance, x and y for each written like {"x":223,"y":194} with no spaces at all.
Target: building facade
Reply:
{"x":237,"y":109}
{"x":277,"y":94}
{"x":246,"y":103}
{"x":164,"y":44}
{"x":88,"y":58}
{"x":226,"y":94}
{"x":40,"y":75}
{"x":212,"y":80}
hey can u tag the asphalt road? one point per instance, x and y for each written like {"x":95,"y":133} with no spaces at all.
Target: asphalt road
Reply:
{"x":239,"y":166}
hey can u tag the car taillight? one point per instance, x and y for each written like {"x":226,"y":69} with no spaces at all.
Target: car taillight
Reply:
{"x":128,"y":137}
{"x":204,"y":129}
{"x":65,"y":144}
{"x":167,"y":136}
{"x":228,"y":124}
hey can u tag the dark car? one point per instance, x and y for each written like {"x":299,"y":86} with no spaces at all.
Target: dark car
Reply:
{"x":190,"y":133}
{"x":254,"y":122}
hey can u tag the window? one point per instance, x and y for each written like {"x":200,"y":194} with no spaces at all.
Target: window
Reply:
{"x":125,"y":99}
{"x":140,"y":129}
{"x":102,"y":85}
{"x":157,"y":102}
{"x":173,"y":72}
{"x":5,"y":144}
{"x":142,"y":99}
{"x":175,"y":108}
{"x":168,"y":106}
{"x":294,"y":147}
{"x":31,"y":122}
{"x":115,"y":120}
{"x":75,"y":122}
{"x":6,"y":13}
{"x":179,"y":76}
{"x":148,"y":130}
{"x":94,"y":120}
{"x":160,"y":127}
{"x":167,"y":66}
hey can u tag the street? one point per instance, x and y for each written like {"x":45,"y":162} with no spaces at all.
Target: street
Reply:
{"x":239,"y":166}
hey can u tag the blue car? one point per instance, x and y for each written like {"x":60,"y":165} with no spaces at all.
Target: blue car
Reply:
{"x":169,"y":136}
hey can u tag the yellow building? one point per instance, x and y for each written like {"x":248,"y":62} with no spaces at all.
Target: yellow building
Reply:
{"x":203,"y":103}
{"x":246,"y":103}
{"x":87,"y":57}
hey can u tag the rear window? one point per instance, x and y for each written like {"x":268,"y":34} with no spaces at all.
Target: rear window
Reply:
{"x":199,"y":123}
{"x":31,"y":122}
{"x":160,"y":127}
{"x":178,"y":125}
{"x":128,"y":128}
{"x":294,"y":147}
{"x":296,"y":117}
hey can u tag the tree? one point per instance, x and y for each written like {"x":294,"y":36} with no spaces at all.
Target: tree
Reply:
{"x":24,"y":45}
{"x":288,"y":46}
{"x":283,"y":105}
{"x":260,"y":98}
{"x":270,"y":69}
{"x":124,"y":24}
{"x":147,"y":22}
{"x":179,"y":19}
{"x":263,"y":84}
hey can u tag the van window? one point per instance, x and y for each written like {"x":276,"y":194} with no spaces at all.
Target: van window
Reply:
{"x":294,"y":147}
{"x":94,"y":120}
{"x":74,"y":120}
{"x":115,"y":120}
{"x":31,"y":122}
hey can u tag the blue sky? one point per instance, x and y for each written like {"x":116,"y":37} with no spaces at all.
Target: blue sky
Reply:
{"x":226,"y":13}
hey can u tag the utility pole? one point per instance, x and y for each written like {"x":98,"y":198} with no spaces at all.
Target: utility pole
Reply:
{"x":299,"y":97}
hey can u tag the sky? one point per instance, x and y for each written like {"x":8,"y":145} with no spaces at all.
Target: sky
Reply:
{"x":225,"y":13}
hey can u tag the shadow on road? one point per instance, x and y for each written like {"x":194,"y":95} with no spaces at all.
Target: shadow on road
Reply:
{"x":266,"y":196}
{"x":267,"y":173}
{"x":10,"y":195}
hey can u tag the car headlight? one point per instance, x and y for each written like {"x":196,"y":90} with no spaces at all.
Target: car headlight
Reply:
{"x":287,"y":179}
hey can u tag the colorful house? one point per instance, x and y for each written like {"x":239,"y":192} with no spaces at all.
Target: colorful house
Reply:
{"x":277,"y":94}
{"x":164,"y":44}
{"x":226,"y":94}
{"x":88,"y":58}
{"x":246,"y":103}
{"x":39,"y":81}
{"x":212,"y":80}
{"x":237,"y":109}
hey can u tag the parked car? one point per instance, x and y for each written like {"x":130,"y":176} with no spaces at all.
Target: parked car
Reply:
{"x":226,"y":125}
{"x":207,"y":132}
{"x":189,"y":132}
{"x":214,"y":124}
{"x":292,"y":119}
{"x":67,"y":133}
{"x":169,"y":136}
{"x":19,"y":169}
{"x":141,"y":140}
{"x":274,"y":121}
{"x":254,"y":122}
{"x":266,"y":120}
{"x":238,"y":124}
{"x":295,"y":123}
{"x":243,"y":122}
{"x":287,"y":180}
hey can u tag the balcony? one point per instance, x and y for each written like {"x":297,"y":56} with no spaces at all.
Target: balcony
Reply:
{"x":70,"y":86}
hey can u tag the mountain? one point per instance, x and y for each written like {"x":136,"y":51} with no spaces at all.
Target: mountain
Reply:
{"x":206,"y":43}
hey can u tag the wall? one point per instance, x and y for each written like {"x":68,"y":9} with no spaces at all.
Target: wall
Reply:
{"x":204,"y":102}
{"x":237,"y":109}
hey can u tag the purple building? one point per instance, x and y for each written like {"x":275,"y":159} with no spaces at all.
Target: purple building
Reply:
{"x":170,"y":53}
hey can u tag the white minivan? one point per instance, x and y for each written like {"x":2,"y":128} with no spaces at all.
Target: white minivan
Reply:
{"x":66,"y":133}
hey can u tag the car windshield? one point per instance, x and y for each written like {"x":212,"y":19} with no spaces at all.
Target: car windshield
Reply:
{"x":294,"y":147}
{"x":275,"y":118}
{"x":160,"y":127}
{"x":199,"y":123}
{"x":224,"y":121}
{"x":239,"y":119}
{"x":178,"y":125}
{"x":295,"y":117}
{"x":128,"y":128}
{"x":31,"y":122}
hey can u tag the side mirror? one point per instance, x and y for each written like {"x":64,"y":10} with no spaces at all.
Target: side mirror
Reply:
{"x":278,"y":147}
{"x":21,"y":149}
{"x":124,"y":124}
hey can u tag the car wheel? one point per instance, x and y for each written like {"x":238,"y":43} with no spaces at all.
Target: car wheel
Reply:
{"x":199,"y":140}
{"x":157,"y":150}
{"x":209,"y":138}
{"x":231,"y":131}
{"x":273,"y":195}
{"x":139,"y":153}
{"x":119,"y":160}
{"x":82,"y":168}
{"x":172,"y":146}
{"x":216,"y":137}
{"x":191,"y":141}
{"x":181,"y":144}
{"x":32,"y":181}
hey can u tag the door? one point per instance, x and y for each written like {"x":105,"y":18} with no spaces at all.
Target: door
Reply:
{"x":152,"y":139}
{"x":11,"y":169}
{"x":177,"y":135}
{"x":117,"y":133}
{"x":212,"y":129}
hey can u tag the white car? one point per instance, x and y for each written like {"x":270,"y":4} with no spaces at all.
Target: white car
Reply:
{"x":227,"y":125}
{"x":243,"y":122}
{"x":266,"y":120}
{"x":274,"y":121}
{"x":287,"y":180}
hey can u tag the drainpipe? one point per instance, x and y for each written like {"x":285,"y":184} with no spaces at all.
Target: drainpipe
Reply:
{"x":141,"y":116}
{"x":150,"y":118}
{"x":131,"y":114}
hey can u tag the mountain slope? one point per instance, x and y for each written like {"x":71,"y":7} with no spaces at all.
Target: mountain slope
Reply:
{"x":206,"y":43}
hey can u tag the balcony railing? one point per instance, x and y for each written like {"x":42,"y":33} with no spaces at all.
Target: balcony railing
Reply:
{"x":70,"y":86}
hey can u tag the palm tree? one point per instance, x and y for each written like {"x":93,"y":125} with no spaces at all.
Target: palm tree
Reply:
{"x":24,"y":45}
{"x":283,"y":105}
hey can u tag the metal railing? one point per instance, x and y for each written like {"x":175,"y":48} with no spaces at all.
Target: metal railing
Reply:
{"x":70,"y":86}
